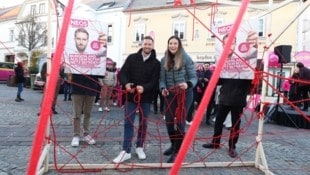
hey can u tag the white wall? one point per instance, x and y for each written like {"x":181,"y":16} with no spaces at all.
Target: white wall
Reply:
{"x":7,"y":46}
{"x":116,"y":49}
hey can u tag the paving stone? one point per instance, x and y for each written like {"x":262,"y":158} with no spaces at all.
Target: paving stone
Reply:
{"x":286,"y":149}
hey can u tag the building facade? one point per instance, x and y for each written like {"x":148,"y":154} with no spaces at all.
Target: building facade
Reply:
{"x":194,"y":22}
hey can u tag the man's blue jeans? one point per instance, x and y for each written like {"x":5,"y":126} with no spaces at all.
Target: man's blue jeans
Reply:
{"x":130,"y":114}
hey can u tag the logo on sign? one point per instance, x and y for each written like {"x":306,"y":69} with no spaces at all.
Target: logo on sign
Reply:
{"x":244,"y":47}
{"x":79,"y":23}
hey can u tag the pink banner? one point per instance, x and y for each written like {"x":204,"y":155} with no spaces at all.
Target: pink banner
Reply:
{"x":304,"y":57}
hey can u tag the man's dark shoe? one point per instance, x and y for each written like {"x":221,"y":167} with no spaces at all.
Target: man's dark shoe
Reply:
{"x":211,"y":146}
{"x":232,"y":153}
{"x":172,"y":158}
{"x":169,"y":151}
{"x":305,"y":109}
{"x":55,"y":112}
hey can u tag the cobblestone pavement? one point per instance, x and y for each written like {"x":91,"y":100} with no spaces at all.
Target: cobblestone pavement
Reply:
{"x":286,"y":149}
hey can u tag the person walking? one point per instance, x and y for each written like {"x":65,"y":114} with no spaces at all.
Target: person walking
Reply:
{"x":177,"y":79}
{"x":20,"y":80}
{"x":139,"y":76}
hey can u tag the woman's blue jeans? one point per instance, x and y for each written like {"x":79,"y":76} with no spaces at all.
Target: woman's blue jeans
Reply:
{"x":130,"y":114}
{"x":20,"y":87}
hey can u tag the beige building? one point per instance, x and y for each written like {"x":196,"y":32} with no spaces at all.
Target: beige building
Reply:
{"x":193,"y":22}
{"x":278,"y":23}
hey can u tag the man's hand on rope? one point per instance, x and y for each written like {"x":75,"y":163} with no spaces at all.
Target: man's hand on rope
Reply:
{"x":140,"y":89}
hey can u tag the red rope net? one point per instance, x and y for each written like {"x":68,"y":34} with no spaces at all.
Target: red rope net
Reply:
{"x":107,"y":129}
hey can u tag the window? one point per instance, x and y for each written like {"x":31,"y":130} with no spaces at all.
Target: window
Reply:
{"x":179,"y":29}
{"x":217,"y":22}
{"x":22,"y":38}
{"x":110,"y":33}
{"x":139,"y":32}
{"x":33,"y":10}
{"x":11,"y":35}
{"x":261,"y":27}
{"x":60,"y":9}
{"x":43,"y":39}
{"x":196,"y":34}
{"x":42,"y":8}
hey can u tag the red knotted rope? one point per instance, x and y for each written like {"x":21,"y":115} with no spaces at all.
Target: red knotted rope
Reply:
{"x":206,"y":97}
{"x":180,"y":109}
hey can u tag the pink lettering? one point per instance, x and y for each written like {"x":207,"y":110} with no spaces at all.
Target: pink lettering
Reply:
{"x":224,"y":29}
{"x":79,"y":23}
{"x":84,"y":60}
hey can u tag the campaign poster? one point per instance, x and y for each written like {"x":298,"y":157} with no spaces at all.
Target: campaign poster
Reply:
{"x":86,"y":45}
{"x":241,"y":63}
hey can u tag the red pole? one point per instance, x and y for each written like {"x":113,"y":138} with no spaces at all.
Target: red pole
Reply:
{"x":48,"y":97}
{"x":207,"y":95}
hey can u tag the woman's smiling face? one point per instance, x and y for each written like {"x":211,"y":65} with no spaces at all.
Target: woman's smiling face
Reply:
{"x":173,"y":45}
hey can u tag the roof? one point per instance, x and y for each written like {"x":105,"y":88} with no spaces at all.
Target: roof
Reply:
{"x":150,"y":4}
{"x":106,"y":4}
{"x":141,"y":5}
{"x":10,"y":12}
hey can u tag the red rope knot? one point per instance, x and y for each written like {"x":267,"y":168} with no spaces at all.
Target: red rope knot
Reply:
{"x":180,"y":99}
{"x":137,"y":96}
{"x":48,"y":138}
{"x":257,"y":77}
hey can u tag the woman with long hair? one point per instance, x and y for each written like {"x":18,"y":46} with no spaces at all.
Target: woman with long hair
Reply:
{"x":177,"y":79}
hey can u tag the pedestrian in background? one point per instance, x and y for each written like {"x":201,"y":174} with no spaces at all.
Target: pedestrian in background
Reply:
{"x":285,"y":87}
{"x":107,"y":84}
{"x":177,"y":80}
{"x":304,"y":86}
{"x":294,"y":93}
{"x":59,"y":80}
{"x":66,"y":85}
{"x":20,"y":80}
{"x":139,"y":76}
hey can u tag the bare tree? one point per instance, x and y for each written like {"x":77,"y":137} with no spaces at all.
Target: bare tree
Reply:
{"x":32,"y":34}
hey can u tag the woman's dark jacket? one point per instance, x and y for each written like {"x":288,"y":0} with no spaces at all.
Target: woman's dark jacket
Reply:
{"x":19,"y":75}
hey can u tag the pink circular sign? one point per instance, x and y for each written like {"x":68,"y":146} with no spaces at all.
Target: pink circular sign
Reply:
{"x":244,"y":47}
{"x":95,"y":45}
